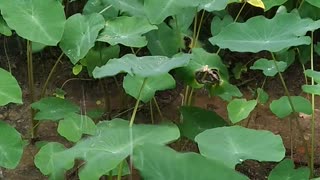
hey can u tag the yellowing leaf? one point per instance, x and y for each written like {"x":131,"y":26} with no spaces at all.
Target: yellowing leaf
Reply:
{"x":77,"y":69}
{"x":256,"y":3}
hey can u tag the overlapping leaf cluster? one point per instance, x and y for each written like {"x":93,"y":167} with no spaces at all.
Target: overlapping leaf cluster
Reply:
{"x":95,"y":38}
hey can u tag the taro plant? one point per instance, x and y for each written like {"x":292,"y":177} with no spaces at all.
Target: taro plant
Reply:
{"x":153,"y":44}
{"x":11,"y":142}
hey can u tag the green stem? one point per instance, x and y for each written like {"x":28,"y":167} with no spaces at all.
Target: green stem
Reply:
{"x":240,"y":11}
{"x":194,"y":30}
{"x":120,"y":170}
{"x":198,"y":31}
{"x":190,"y":97}
{"x":44,"y":88}
{"x":137,"y":104}
{"x":74,"y":79}
{"x":178,"y":31}
{"x":158,"y":108}
{"x":106,"y":8}
{"x":313,"y":114}
{"x":301,"y":3}
{"x":151,"y":112}
{"x":31,"y":87}
{"x":110,"y":175}
{"x":185,"y":98}
{"x":293,"y":110}
{"x":6,"y":53}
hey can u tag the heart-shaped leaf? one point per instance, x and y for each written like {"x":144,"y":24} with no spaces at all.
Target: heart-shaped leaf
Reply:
{"x":311,"y":89}
{"x":233,"y":145}
{"x":9,"y":89}
{"x":314,"y":3}
{"x":53,"y":108}
{"x":262,"y":96}
{"x":133,"y":84}
{"x":285,"y":170}
{"x":74,"y":125}
{"x":268,"y":66}
{"x":80,"y":35}
{"x":195,"y":120}
{"x":272,"y":3}
{"x":113,"y":142}
{"x":313,"y":74}
{"x":99,"y":56}
{"x":182,"y":21}
{"x":146,"y":66}
{"x":214,"y":5}
{"x":132,"y":7}
{"x":36,"y":20}
{"x":157,"y":11}
{"x":127,"y":31}
{"x":164,"y":41}
{"x":11,"y":145}
{"x":287,"y":56}
{"x":171,"y":165}
{"x":102,"y":7}
{"x":225,"y":91}
{"x":281,"y":107}
{"x":259,"y":33}
{"x":218,"y":24}
{"x":49,"y":165}
{"x":239,"y":109}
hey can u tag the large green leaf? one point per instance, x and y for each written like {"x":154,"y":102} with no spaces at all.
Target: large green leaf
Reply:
{"x":182,"y":21}
{"x":218,"y":24}
{"x":100,"y":6}
{"x":225,"y":91}
{"x":36,"y":20}
{"x":49,"y":165}
{"x":195,"y":120}
{"x":74,"y":125}
{"x":53,"y":108}
{"x":157,"y":11}
{"x":80,"y":35}
{"x":127,"y":31}
{"x":4,"y":28}
{"x":259,"y":33}
{"x":314,"y":3}
{"x":141,"y":66}
{"x":271,"y":3}
{"x":281,"y":107}
{"x":239,"y":109}
{"x":233,"y":145}
{"x":268,"y":66}
{"x":285,"y":170}
{"x":213,"y":5}
{"x":99,"y":56}
{"x":11,"y":145}
{"x":132,"y":7}
{"x":164,"y":41}
{"x":9,"y":89}
{"x":133,"y":84}
{"x":156,"y":162}
{"x":112,"y":143}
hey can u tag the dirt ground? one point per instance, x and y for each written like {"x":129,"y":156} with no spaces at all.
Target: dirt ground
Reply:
{"x":87,"y":93}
